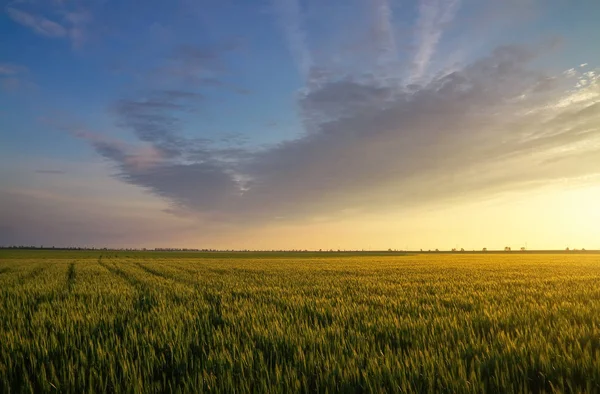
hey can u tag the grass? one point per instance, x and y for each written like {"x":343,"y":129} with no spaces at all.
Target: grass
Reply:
{"x":307,"y":323}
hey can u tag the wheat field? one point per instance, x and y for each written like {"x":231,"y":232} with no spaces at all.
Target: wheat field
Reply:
{"x":129,"y":322}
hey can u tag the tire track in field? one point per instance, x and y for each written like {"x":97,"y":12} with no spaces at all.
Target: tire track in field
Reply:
{"x":165,"y":275}
{"x":214,"y":300}
{"x":186,"y":270}
{"x":71,"y":274}
{"x":120,"y":273}
{"x":146,"y":299}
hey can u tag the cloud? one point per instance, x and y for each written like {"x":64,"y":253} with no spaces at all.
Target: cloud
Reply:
{"x":289,"y":17}
{"x":146,"y":166}
{"x":74,"y":24}
{"x":79,"y":21}
{"x":132,"y":157}
{"x":384,"y":35}
{"x":211,"y":191}
{"x":434,"y":17}
{"x":175,"y":90}
{"x":154,"y":119}
{"x":37,"y":23}
{"x":490,"y":126}
{"x":13,"y":76}
{"x":196,"y":66}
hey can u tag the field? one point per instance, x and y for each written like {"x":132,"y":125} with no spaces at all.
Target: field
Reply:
{"x":158,"y":322}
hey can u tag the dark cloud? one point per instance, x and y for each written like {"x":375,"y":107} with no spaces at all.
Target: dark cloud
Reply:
{"x":491,"y":126}
{"x":155,"y":119}
{"x":110,"y":150}
{"x":203,"y":186}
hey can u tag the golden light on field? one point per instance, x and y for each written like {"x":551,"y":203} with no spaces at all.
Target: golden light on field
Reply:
{"x":298,"y":323}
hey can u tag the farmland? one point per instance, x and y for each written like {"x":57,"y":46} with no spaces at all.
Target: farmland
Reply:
{"x":108,"y":321}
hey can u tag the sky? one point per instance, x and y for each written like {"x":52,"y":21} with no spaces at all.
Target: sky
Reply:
{"x":300,"y":124}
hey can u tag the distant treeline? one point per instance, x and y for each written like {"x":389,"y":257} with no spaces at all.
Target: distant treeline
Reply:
{"x":391,"y":251}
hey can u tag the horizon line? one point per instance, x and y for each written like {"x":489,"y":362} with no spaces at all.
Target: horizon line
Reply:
{"x":330,"y":250}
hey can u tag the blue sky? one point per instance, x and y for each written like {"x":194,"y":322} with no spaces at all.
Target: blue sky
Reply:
{"x":286,"y":117}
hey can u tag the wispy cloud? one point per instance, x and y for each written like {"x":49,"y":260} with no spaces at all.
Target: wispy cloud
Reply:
{"x":434,"y":17}
{"x":385,"y":35}
{"x":13,"y":76}
{"x":7,"y":69}
{"x":289,"y":16}
{"x":79,"y":21}
{"x":37,"y":23}
{"x":73,"y":25}
{"x":197,"y":66}
{"x":133,"y":157}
